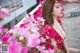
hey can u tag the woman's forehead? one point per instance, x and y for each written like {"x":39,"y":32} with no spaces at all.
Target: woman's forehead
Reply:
{"x":57,"y":3}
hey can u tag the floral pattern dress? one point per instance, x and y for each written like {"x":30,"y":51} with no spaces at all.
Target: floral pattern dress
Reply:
{"x":49,"y":31}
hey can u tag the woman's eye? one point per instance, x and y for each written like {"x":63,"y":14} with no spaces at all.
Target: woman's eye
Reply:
{"x":61,"y":5}
{"x":57,"y":7}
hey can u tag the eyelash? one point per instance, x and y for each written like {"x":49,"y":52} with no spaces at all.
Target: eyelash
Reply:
{"x":59,"y":6}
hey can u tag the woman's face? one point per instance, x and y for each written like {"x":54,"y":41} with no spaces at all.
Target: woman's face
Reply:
{"x":58,"y":10}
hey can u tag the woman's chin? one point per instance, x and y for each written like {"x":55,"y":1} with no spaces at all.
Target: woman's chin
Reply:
{"x":62,"y":15}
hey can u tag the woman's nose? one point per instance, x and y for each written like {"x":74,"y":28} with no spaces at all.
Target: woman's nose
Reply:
{"x":62,"y":9}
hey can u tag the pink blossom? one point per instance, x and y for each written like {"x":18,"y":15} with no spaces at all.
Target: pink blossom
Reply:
{"x":11,"y":39}
{"x":51,"y":50}
{"x":41,"y":1}
{"x":14,"y":47}
{"x":4,"y":13}
{"x":5,"y":38}
{"x":33,"y":42}
{"x":29,"y":29}
{"x":1,"y":25}
{"x":42,"y":39}
{"x":29,"y":15}
{"x":1,"y":30}
{"x":41,"y":20}
{"x":44,"y":51}
{"x":40,"y":48}
{"x":25,"y":49}
{"x":38,"y":13}
{"x":5,"y":30}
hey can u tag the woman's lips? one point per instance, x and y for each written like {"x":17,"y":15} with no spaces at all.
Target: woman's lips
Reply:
{"x":62,"y":12}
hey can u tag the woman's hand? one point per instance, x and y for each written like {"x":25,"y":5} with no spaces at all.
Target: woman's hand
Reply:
{"x":53,"y":42}
{"x":65,"y":46}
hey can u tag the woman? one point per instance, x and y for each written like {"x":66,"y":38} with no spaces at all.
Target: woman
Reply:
{"x":51,"y":11}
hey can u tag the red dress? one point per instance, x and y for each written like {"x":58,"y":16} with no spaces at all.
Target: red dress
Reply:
{"x":51,"y":33}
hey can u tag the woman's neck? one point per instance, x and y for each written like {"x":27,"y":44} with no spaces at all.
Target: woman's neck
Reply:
{"x":54,"y":18}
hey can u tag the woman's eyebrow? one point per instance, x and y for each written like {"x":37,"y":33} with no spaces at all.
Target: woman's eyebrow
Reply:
{"x":57,"y":4}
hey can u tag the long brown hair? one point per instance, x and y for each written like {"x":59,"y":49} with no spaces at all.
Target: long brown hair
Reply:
{"x":47,"y":9}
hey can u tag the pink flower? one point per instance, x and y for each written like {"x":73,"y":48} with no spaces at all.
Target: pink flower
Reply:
{"x":14,"y":47}
{"x":11,"y":39}
{"x":35,"y":41}
{"x":5,"y":30}
{"x":1,"y":30}
{"x":41,"y":20}
{"x":32,"y":42}
{"x":40,"y":48}
{"x":24,"y":49}
{"x":1,"y":25}
{"x":41,"y":1}
{"x":4,"y":38}
{"x":4,"y":13}
{"x":42,"y":39}
{"x":44,"y":51}
{"x":38,"y":13}
{"x":51,"y":50}
{"x":29,"y":15}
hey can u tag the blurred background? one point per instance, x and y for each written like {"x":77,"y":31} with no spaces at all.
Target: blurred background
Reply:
{"x":71,"y":22}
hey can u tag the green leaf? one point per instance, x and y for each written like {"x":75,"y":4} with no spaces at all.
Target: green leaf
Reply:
{"x":31,"y":32}
{"x":61,"y":52}
{"x":24,"y":42}
{"x":1,"y":19}
{"x":33,"y":50}
{"x":17,"y":37}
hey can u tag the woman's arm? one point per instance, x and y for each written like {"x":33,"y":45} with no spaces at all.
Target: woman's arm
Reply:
{"x":74,"y":50}
{"x":70,"y":50}
{"x":55,"y":46}
{"x":57,"y":50}
{"x":65,"y":46}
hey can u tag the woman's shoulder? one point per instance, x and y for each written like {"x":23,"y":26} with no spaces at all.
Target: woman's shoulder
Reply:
{"x":48,"y":27}
{"x":48,"y":30}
